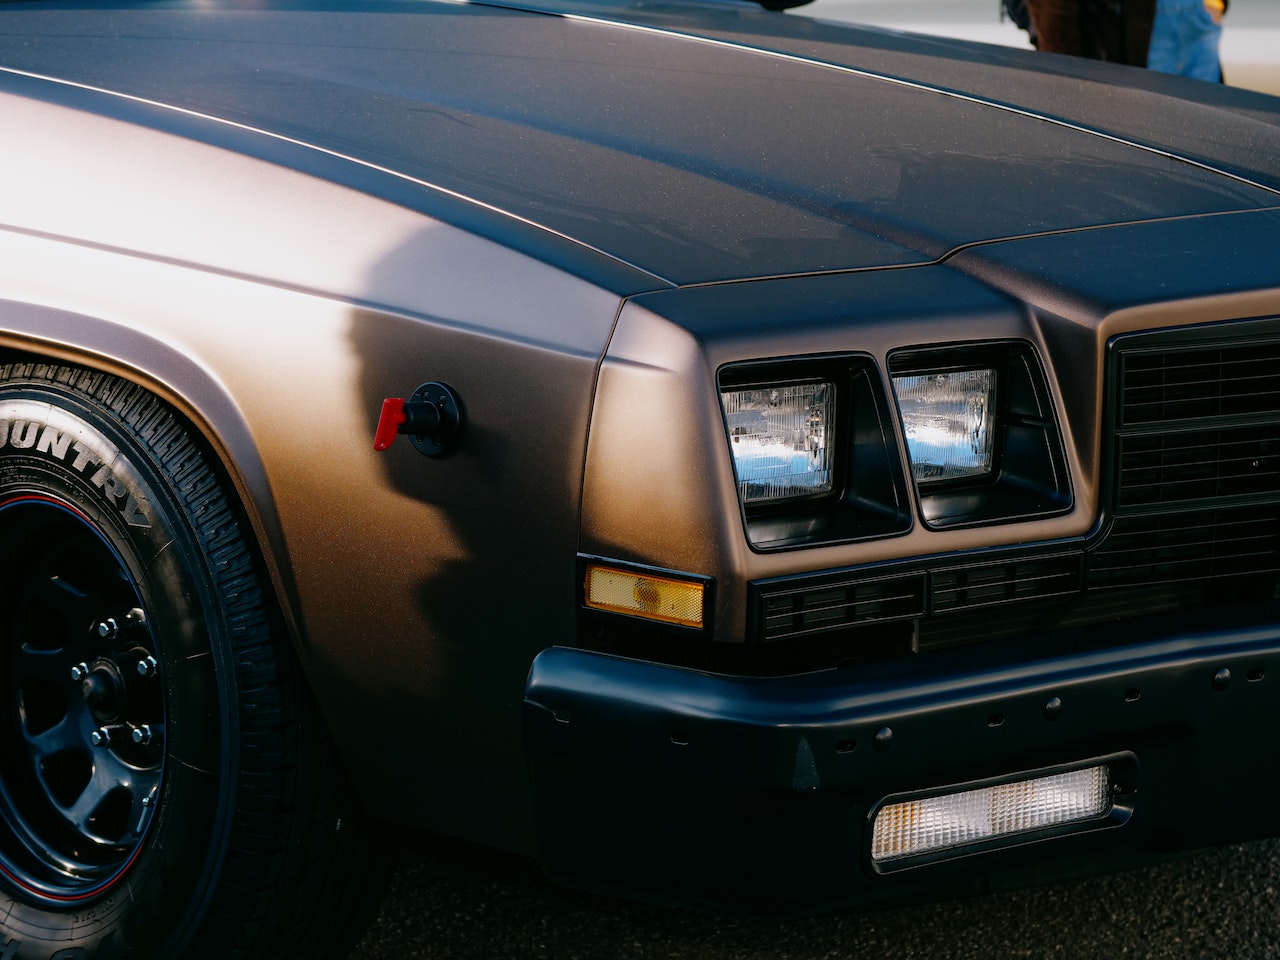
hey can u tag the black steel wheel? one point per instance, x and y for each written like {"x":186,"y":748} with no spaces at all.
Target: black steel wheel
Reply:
{"x":166,"y":787}
{"x":83,"y":745}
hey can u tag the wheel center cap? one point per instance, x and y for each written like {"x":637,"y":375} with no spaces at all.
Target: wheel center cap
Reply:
{"x":103,"y":689}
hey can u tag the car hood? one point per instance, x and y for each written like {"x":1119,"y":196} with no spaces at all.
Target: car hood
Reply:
{"x":698,"y":143}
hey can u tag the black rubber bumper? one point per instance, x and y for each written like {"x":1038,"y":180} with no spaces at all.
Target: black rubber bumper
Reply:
{"x":757,"y":794}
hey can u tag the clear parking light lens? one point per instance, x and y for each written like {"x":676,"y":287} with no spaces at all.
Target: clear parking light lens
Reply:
{"x":947,"y":420}
{"x":953,"y":820}
{"x":782,"y":440}
{"x":645,"y":595}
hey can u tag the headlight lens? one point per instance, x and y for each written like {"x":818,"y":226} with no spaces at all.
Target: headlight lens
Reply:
{"x":947,"y":420}
{"x":782,"y":440}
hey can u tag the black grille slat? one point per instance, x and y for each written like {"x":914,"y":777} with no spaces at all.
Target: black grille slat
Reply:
{"x":1183,"y":384}
{"x":966,"y":588}
{"x":1148,"y":546}
{"x":839,"y":606}
{"x":1200,"y":465}
{"x":1181,"y":547}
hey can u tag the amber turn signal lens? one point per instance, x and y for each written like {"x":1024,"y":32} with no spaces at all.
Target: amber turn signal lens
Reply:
{"x":645,"y":595}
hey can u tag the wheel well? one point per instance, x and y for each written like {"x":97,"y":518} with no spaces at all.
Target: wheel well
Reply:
{"x":259,"y":522}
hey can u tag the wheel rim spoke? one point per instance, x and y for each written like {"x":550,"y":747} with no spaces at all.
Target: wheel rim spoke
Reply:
{"x":71,"y":733}
{"x":120,"y":787}
{"x":37,"y":663}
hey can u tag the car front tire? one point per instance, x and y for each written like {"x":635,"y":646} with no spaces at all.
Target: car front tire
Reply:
{"x":166,"y":786}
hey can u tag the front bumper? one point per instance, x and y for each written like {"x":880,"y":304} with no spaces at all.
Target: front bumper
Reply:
{"x":757,"y":794}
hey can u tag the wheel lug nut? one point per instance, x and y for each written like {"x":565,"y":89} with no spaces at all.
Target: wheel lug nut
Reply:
{"x":147,"y":666}
{"x":108,"y":628}
{"x":142,"y":734}
{"x":79,"y":672}
{"x":110,"y":733}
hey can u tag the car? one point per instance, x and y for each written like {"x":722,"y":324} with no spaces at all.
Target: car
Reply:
{"x":743,"y":461}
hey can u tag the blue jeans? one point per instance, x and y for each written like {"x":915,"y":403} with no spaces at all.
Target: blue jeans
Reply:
{"x":1184,"y":40}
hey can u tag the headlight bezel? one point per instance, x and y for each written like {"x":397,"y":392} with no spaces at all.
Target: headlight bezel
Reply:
{"x":1028,"y":477}
{"x":868,"y":497}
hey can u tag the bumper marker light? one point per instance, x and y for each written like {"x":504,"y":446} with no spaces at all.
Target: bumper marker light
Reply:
{"x":645,"y":595}
{"x":955,"y":820}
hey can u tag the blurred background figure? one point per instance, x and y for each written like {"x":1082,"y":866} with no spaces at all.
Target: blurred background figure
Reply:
{"x":1171,"y":36}
{"x":1118,"y":31}
{"x":1250,"y":45}
{"x":1185,"y":38}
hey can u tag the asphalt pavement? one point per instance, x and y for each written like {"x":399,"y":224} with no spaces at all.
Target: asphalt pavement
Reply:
{"x":451,"y":902}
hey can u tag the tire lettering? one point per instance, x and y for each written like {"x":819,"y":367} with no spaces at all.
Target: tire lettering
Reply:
{"x":9,"y":949}
{"x":104,"y":478}
{"x":134,"y":515}
{"x":24,"y":434}
{"x":60,"y":444}
{"x":116,"y":489}
{"x":84,"y":457}
{"x":71,"y":953}
{"x":51,"y":441}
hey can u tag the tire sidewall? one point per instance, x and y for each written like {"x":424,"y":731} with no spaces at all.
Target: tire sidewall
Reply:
{"x":61,"y":445}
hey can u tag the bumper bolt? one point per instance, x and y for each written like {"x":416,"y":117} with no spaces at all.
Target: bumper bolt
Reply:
{"x":1222,"y":679}
{"x":884,"y":739}
{"x":1053,"y":709}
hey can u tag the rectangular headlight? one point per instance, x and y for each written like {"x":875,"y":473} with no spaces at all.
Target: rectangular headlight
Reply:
{"x":782,"y":439}
{"x":947,"y":419}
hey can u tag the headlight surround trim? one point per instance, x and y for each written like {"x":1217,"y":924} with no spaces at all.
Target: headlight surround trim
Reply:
{"x":1028,"y":476}
{"x":867,"y":495}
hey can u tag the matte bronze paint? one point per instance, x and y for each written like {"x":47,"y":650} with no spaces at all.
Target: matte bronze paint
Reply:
{"x":389,"y":589}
